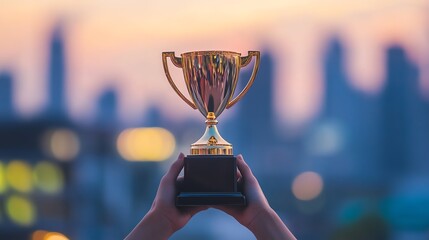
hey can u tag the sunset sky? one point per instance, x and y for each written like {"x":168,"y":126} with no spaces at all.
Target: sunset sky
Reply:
{"x":118,"y":44}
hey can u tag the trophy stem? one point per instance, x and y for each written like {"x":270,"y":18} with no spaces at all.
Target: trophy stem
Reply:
{"x":211,"y":143}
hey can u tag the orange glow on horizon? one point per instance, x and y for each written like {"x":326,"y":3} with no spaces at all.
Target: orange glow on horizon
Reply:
{"x":118,"y":44}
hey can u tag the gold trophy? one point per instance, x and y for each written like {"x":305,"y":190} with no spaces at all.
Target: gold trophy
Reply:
{"x":210,"y":172}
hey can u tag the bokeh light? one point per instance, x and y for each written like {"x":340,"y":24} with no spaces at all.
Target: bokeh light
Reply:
{"x":48,"y":177}
{"x":146,"y":144}
{"x":45,"y":235}
{"x":62,"y":144}
{"x":340,"y":91}
{"x":3,"y":184}
{"x":55,"y":236}
{"x":20,"y":210}
{"x":19,"y":177}
{"x":39,"y":235}
{"x":326,"y":139}
{"x":307,"y":186}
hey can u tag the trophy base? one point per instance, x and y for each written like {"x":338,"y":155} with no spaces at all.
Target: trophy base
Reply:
{"x":210,"y":180}
{"x":203,"y":199}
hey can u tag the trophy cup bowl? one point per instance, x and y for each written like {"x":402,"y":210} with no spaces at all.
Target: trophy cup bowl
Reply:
{"x":211,"y":77}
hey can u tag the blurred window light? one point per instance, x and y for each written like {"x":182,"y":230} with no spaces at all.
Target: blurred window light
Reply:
{"x":146,"y":144}
{"x":62,"y":144}
{"x":39,"y":235}
{"x":3,"y":183}
{"x":45,"y":235}
{"x":55,"y":236}
{"x":327,"y":139}
{"x":20,"y":210}
{"x":48,"y":177}
{"x":307,"y":186}
{"x":18,"y":176}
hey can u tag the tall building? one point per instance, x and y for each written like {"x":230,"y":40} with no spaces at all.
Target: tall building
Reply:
{"x":405,"y":135}
{"x":346,"y":130}
{"x":338,"y":93}
{"x":6,"y":103}
{"x":107,"y":108}
{"x":398,"y":100}
{"x":153,"y":117}
{"x":253,"y":126}
{"x":56,"y":75}
{"x":255,"y":110}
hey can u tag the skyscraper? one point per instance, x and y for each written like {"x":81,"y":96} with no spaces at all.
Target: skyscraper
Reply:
{"x":255,"y":110}
{"x":107,"y":109}
{"x":6,"y":104}
{"x":349,"y":118}
{"x":56,"y":75}
{"x":398,"y":103}
{"x":254,"y":123}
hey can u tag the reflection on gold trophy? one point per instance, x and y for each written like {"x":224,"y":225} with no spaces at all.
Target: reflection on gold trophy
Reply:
{"x":211,"y":78}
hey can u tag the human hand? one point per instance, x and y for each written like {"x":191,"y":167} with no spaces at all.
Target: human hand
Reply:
{"x":163,"y":219}
{"x":257,"y":216}
{"x":256,"y":200}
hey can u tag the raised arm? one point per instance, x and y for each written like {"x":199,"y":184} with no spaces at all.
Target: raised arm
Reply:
{"x":257,"y":216}
{"x":164,"y":219}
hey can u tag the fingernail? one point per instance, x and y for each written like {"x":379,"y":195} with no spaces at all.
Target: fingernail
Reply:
{"x":240,"y":156}
{"x":181,"y":155}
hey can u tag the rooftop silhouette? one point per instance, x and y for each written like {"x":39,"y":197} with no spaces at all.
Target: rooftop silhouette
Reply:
{"x":6,"y":97}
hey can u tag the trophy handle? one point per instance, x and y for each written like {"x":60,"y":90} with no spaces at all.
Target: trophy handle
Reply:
{"x":244,"y":62}
{"x":177,"y":61}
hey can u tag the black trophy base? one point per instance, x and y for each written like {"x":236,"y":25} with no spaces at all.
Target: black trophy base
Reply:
{"x":210,"y":180}
{"x":203,"y":199}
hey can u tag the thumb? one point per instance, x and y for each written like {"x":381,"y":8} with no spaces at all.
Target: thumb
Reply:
{"x":175,"y":168}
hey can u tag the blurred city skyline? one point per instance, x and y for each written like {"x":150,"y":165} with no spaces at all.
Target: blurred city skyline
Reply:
{"x":128,"y":58}
{"x":85,"y":103}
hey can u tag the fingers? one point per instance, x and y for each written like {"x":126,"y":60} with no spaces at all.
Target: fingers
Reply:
{"x":239,"y":176}
{"x":246,"y":172}
{"x":175,"y":168}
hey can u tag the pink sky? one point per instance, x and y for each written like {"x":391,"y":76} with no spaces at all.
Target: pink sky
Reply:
{"x":119,"y":43}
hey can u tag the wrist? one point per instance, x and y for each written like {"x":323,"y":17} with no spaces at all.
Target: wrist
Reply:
{"x":163,"y":223}
{"x":264,"y":215}
{"x":154,"y":225}
{"x":268,"y":225}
